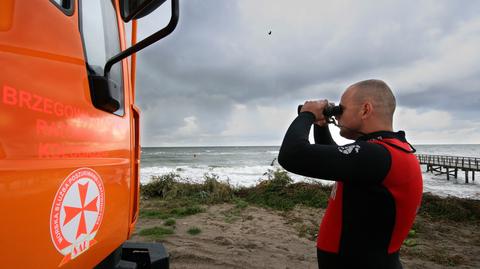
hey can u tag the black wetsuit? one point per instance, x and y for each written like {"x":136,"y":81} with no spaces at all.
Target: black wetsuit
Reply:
{"x":375,"y":198}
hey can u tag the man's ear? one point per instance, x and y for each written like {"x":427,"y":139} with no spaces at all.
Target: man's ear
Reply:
{"x":367,"y":110}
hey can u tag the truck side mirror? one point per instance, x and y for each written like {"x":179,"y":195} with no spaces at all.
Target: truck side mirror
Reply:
{"x":143,"y":7}
{"x":135,"y":9}
{"x":101,"y":85}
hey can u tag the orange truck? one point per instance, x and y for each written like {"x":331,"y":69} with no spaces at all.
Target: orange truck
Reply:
{"x":69,"y":134}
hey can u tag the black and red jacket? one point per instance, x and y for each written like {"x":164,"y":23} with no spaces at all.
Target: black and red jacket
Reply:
{"x":375,"y":198}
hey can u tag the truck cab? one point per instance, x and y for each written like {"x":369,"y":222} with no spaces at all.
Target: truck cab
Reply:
{"x":69,"y":134}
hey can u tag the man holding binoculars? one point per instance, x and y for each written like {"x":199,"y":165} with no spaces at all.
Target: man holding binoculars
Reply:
{"x":378,"y":186}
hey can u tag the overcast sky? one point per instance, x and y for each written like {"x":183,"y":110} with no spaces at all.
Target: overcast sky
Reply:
{"x":221,"y":79}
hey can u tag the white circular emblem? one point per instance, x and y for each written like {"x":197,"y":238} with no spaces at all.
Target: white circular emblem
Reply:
{"x":77,"y":212}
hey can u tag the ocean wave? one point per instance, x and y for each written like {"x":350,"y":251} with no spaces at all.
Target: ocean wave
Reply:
{"x":207,"y":153}
{"x":236,"y":175}
{"x":251,"y":175}
{"x":439,"y":185}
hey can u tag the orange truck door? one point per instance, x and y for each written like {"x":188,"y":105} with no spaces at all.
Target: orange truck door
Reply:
{"x":65,"y":165}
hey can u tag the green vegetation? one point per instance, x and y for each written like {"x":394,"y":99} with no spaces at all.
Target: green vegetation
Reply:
{"x":170,"y":222}
{"x":156,"y":232}
{"x":194,"y":231}
{"x":278,"y":191}
{"x":169,"y":212}
{"x":172,"y":187}
{"x":153,"y":214}
{"x":186,"y":211}
{"x":410,"y":242}
{"x":450,"y":208}
{"x":170,"y":196}
{"x":240,"y":203}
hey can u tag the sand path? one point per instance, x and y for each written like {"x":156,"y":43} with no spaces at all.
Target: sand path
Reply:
{"x":256,"y":237}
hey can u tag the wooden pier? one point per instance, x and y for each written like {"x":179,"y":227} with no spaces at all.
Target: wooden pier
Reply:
{"x":450,"y":165}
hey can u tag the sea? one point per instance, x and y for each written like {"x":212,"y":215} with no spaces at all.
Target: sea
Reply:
{"x":246,"y":166}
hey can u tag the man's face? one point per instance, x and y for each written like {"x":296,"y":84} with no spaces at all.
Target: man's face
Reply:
{"x":350,"y":120}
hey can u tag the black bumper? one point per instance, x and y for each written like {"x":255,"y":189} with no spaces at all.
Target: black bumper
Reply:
{"x":132,"y":255}
{"x":146,"y":255}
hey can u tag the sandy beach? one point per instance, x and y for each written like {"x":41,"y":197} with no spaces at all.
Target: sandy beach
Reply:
{"x":256,"y":237}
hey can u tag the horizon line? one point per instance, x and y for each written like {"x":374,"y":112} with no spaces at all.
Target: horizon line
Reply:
{"x":224,"y":146}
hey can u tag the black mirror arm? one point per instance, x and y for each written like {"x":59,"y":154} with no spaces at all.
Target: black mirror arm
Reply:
{"x":147,"y":41}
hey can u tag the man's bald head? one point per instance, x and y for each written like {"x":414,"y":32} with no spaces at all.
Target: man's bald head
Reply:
{"x":378,"y":93}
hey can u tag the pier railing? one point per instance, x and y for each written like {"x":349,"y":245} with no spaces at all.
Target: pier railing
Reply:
{"x":464,"y":163}
{"x":451,"y":164}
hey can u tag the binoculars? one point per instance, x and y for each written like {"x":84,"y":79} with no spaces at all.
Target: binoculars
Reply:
{"x":329,"y":111}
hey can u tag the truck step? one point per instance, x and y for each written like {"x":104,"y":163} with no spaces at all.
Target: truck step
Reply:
{"x":145,"y":255}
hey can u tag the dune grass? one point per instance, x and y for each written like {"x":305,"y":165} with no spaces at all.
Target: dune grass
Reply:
{"x":194,"y":231}
{"x":170,"y":222}
{"x":276,"y":190}
{"x":450,"y":208}
{"x":166,"y":212}
{"x":156,"y":232}
{"x":170,"y":196}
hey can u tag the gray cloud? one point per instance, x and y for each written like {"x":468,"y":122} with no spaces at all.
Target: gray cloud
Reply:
{"x":191,"y":84}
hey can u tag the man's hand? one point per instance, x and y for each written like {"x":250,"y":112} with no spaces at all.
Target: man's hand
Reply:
{"x":316,"y":107}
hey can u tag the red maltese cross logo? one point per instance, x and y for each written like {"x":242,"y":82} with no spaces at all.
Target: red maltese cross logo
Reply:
{"x":71,"y":212}
{"x":77,"y":213}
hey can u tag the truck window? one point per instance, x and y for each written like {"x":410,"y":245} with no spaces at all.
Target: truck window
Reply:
{"x":99,"y":28}
{"x":64,"y":5}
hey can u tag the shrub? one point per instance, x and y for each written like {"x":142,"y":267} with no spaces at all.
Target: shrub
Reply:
{"x":160,"y":186}
{"x":194,"y":231}
{"x":156,"y":232}
{"x":170,"y":222}
{"x":172,"y":186}
{"x":186,"y":211}
{"x":216,"y":191}
{"x":278,"y":191}
{"x":450,"y":208}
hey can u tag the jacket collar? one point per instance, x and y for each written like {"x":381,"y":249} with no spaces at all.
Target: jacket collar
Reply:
{"x":381,"y":135}
{"x":400,"y":135}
